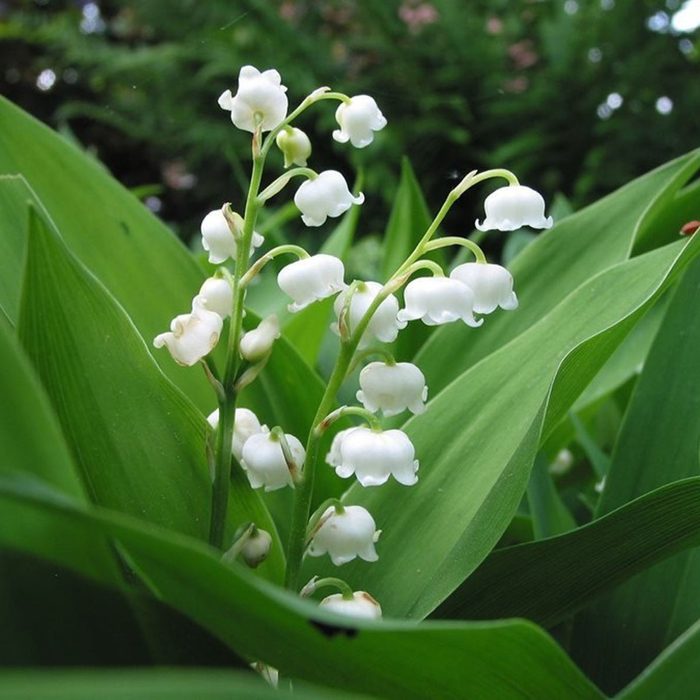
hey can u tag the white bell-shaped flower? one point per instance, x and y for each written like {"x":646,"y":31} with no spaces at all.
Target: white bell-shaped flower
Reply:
{"x":373,"y":456}
{"x":344,"y":536}
{"x":264,"y":463}
{"x":256,"y":547}
{"x":492,"y":286}
{"x":326,"y":195}
{"x":192,"y":336}
{"x":358,"y":119}
{"x":245,"y":424}
{"x":311,"y":279}
{"x":261,"y":100}
{"x":295,"y":146}
{"x":257,"y":344}
{"x":383,"y":325}
{"x":361,"y":605}
{"x":215,"y":295}
{"x":218,"y":240}
{"x":511,"y":207}
{"x":438,"y":300}
{"x":392,"y":388}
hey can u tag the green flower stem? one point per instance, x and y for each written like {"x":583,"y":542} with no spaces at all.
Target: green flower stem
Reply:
{"x":305,"y":483}
{"x":227,"y":404}
{"x":455,"y":240}
{"x":467,"y":182}
{"x":281,"y":182}
{"x":333,"y":416}
{"x":381,"y":352}
{"x":270,"y":255}
{"x":315,"y":520}
{"x":328,"y":582}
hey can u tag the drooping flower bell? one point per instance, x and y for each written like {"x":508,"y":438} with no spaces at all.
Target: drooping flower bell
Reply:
{"x":492,"y":286}
{"x":257,"y":344}
{"x":511,"y":207}
{"x":361,"y":605}
{"x":383,"y":325}
{"x":245,"y":424}
{"x":295,"y":146}
{"x":326,"y":195}
{"x":192,"y":336}
{"x":264,"y":461}
{"x":256,"y":547}
{"x":373,"y":456}
{"x":345,"y":535}
{"x":438,"y":300}
{"x":358,"y":119}
{"x":392,"y":388}
{"x":215,"y":295}
{"x":218,"y":240}
{"x":311,"y":279}
{"x":261,"y":100}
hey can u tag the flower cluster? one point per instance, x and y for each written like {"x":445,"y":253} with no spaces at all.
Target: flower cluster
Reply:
{"x":368,"y":314}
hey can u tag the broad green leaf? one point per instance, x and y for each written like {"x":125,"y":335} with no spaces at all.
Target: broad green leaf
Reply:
{"x":408,"y":221}
{"x":138,"y":442}
{"x":559,"y":261}
{"x":499,"y":660}
{"x":548,"y":580}
{"x":151,"y":684}
{"x":478,"y":438}
{"x":126,"y":247}
{"x":549,"y":514}
{"x":658,"y":443}
{"x":673,"y":675}
{"x":30,"y":436}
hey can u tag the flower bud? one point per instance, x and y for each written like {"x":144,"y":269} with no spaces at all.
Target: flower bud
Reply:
{"x":245,"y":424}
{"x":311,"y":279}
{"x":191,"y":336}
{"x":361,"y":605}
{"x":438,"y":300}
{"x":264,"y":462}
{"x":512,"y":207}
{"x":256,"y":547}
{"x":344,"y":536}
{"x":358,"y":119}
{"x":492,"y":286}
{"x":257,"y":344}
{"x":326,"y":195}
{"x":260,"y":100}
{"x":215,"y":295}
{"x":295,"y":146}
{"x":383,"y":325}
{"x":218,"y":239}
{"x":392,"y":388}
{"x":373,"y":456}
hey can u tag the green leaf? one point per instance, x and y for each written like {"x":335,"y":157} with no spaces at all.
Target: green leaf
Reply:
{"x":126,"y":247}
{"x":478,"y":438}
{"x":549,"y":514}
{"x":150,"y":684}
{"x":408,"y":221}
{"x":674,"y":674}
{"x":494,"y":660}
{"x":559,"y":261}
{"x":138,"y":442}
{"x":658,"y":443}
{"x":548,"y":580}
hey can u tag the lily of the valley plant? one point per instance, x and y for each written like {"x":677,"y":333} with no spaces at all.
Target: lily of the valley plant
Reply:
{"x":368,"y":315}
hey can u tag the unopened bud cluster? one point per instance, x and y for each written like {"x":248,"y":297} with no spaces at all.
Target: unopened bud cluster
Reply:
{"x":367,"y":315}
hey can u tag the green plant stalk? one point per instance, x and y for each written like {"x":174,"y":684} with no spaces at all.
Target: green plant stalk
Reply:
{"x":304,"y":491}
{"x":227,"y":405}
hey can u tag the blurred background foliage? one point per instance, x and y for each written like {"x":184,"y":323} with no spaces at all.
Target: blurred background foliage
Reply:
{"x":577,"y":97}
